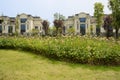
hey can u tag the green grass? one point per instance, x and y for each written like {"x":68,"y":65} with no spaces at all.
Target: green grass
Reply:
{"x":18,"y":65}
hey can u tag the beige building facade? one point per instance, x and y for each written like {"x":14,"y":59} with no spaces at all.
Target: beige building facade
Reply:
{"x":7,"y":24}
{"x":26,"y":23}
{"x":82,"y":23}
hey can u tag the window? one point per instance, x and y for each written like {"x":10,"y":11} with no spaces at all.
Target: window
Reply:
{"x":0,"y":28}
{"x":70,"y":26}
{"x":82,"y":29}
{"x":23,"y":28}
{"x":82,"y":19}
{"x":1,"y":21}
{"x":36,"y":27}
{"x":10,"y":29}
{"x":23,"y":20}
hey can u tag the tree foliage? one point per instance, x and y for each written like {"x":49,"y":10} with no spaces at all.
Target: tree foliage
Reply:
{"x":45,"y":24}
{"x":59,"y":25}
{"x":16,"y":26}
{"x":108,"y":26}
{"x":58,"y":16}
{"x":114,"y":6}
{"x":58,"y":22}
{"x":98,"y":13}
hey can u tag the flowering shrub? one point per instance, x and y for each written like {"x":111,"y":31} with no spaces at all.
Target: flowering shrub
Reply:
{"x":74,"y":49}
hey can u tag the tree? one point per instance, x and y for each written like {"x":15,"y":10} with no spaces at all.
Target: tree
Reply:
{"x":108,"y":26}
{"x":58,"y":22}
{"x":53,"y":31}
{"x":58,"y":16}
{"x":98,"y":13}
{"x":45,"y":24}
{"x":91,"y":29}
{"x":114,"y":6}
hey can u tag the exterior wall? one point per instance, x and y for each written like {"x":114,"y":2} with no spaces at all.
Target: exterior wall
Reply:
{"x":69,"y":22}
{"x":37,"y":22}
{"x":23,"y":16}
{"x":87,"y":23}
{"x":75,"y":21}
{"x":6,"y":23}
{"x":93,"y":25}
{"x":29,"y":24}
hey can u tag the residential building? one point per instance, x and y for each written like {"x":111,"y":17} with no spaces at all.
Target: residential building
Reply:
{"x":25,"y":23}
{"x":83,"y":23}
{"x":7,"y":24}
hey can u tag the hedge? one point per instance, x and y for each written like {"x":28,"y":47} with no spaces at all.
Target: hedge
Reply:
{"x":94,"y":51}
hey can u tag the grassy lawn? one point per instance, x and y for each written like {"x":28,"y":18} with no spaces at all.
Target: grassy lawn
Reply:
{"x":18,"y":65}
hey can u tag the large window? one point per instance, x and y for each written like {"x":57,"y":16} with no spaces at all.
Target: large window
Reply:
{"x":36,"y":27}
{"x":23,"y":20}
{"x":82,"y":29}
{"x":23,"y":28}
{"x":1,"y":21}
{"x":82,"y":19}
{"x":0,"y":28}
{"x":10,"y":29}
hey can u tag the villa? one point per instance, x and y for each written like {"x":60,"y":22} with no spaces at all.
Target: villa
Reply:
{"x":25,"y":22}
{"x":82,"y":23}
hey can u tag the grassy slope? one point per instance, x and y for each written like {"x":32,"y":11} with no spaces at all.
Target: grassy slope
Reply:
{"x":17,"y":65}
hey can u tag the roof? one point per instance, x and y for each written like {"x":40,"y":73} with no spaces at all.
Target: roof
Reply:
{"x":36,"y":17}
{"x":12,"y":17}
{"x":70,"y":16}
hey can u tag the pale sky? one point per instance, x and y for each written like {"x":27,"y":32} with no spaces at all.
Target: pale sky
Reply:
{"x":46,"y":8}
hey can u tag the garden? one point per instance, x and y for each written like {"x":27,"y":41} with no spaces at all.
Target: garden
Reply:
{"x":73,"y":49}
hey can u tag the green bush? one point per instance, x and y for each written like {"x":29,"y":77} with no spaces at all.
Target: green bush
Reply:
{"x":74,"y":49}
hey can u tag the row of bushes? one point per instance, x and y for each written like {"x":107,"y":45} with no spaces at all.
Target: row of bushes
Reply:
{"x":74,"y":49}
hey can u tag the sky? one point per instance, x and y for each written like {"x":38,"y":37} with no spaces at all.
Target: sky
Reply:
{"x":46,"y":8}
